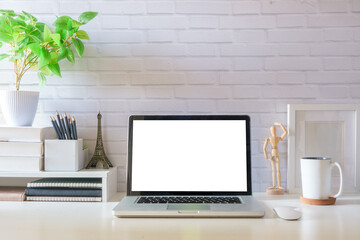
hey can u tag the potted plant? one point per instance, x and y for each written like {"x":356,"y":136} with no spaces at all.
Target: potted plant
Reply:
{"x":33,"y":45}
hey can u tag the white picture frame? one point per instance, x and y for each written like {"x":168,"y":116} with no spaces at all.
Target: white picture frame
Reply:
{"x":330,"y":130}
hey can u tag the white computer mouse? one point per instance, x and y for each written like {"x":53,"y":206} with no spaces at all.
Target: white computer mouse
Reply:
{"x":288,"y":213}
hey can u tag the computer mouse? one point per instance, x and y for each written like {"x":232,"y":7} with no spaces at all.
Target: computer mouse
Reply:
{"x":287,"y":213}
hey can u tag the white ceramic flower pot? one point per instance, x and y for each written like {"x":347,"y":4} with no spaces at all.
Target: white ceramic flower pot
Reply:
{"x":19,"y":107}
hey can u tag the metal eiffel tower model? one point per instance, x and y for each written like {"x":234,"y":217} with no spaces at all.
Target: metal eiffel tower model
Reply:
{"x":99,"y":154}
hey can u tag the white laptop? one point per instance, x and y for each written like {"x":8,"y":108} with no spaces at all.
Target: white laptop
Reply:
{"x":189,"y":166}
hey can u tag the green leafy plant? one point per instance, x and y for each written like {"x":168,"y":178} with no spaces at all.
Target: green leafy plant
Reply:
{"x":33,"y":45}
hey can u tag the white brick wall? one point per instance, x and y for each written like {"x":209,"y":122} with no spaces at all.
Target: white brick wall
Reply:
{"x":200,"y":57}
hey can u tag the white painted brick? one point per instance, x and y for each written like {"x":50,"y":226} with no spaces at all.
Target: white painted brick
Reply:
{"x":247,"y":22}
{"x":334,"y":20}
{"x":71,"y":105}
{"x":160,"y":35}
{"x":337,"y":63}
{"x":113,"y":7}
{"x":158,"y":106}
{"x":114,"y":133}
{"x":355,"y":92}
{"x":79,"y":92}
{"x":195,"y":92}
{"x":162,"y":64}
{"x":246,"y":92}
{"x":74,"y":79}
{"x":114,"y":78}
{"x":286,"y":7}
{"x":203,"y":22}
{"x":290,"y":77}
{"x":119,"y":36}
{"x":198,"y":78}
{"x":201,"y":106}
{"x":356,"y":63}
{"x":357,"y":34}
{"x":333,"y":92}
{"x":114,"y":105}
{"x":338,"y":34}
{"x":115,"y":92}
{"x":207,"y":36}
{"x":73,"y":7}
{"x":28,"y":6}
{"x":248,"y":64}
{"x":202,"y":64}
{"x":333,"y":6}
{"x":159,"y":22}
{"x":286,"y":21}
{"x":297,"y":35}
{"x":115,"y":22}
{"x":206,"y":7}
{"x":245,"y":106}
{"x":114,"y":50}
{"x":335,"y":49}
{"x":251,"y":36}
{"x":248,"y":50}
{"x":355,"y":6}
{"x":294,"y":50}
{"x":158,"y":49}
{"x":80,"y":64}
{"x":91,"y":50}
{"x":202,"y":49}
{"x":160,"y":7}
{"x":159,"y":92}
{"x":240,"y":78}
{"x":293,"y":92}
{"x":340,"y":77}
{"x":167,"y":78}
{"x":110,"y":64}
{"x":293,"y":63}
{"x":246,"y":7}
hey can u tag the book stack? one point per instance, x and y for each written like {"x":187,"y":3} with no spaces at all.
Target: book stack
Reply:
{"x":64,"y":190}
{"x":22,"y":148}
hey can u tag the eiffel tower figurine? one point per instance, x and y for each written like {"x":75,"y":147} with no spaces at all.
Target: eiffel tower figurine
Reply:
{"x":99,"y":154}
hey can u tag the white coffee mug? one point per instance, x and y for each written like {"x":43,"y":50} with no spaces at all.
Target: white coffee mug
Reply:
{"x":316,"y":177}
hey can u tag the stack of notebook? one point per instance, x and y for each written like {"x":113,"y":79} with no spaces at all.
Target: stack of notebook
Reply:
{"x":64,"y":190}
{"x":22,"y":148}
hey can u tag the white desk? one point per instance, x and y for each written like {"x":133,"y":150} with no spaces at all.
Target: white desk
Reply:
{"x":52,"y":221}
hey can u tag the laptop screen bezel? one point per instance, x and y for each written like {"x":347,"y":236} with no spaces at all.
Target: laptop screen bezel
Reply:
{"x":188,"y":117}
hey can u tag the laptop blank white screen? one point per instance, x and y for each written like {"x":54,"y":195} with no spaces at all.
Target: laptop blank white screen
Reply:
{"x":189,"y":155}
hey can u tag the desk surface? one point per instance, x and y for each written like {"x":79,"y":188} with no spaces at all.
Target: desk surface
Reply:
{"x":33,"y":220}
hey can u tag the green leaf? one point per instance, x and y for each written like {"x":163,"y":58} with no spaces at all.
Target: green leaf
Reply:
{"x":53,"y":57}
{"x":3,"y":56}
{"x":42,"y":80}
{"x":56,"y":37}
{"x":55,"y":68}
{"x":46,"y":71}
{"x":85,"y":17}
{"x":29,"y":16}
{"x":5,"y":37}
{"x":44,"y":57}
{"x":69,"y":25}
{"x":82,"y":35}
{"x":62,"y":33}
{"x":61,"y":22}
{"x":35,"y":47}
{"x":75,"y":24}
{"x":47,"y":34}
{"x":70,"y":56}
{"x":63,"y":54}
{"x":7,"y":12}
{"x":79,"y":46}
{"x":23,"y":43}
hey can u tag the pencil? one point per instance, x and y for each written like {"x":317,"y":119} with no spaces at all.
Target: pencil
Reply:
{"x":60,"y":129}
{"x":55,"y":127}
{"x":67,"y":126}
{"x":74,"y":128}
{"x":63,"y":128}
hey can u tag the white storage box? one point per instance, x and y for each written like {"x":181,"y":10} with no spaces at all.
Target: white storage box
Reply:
{"x":64,"y":155}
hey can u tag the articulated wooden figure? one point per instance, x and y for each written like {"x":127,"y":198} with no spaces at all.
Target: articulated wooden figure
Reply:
{"x":275,"y":158}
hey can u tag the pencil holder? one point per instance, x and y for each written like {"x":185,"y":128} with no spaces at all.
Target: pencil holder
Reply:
{"x":64,"y":155}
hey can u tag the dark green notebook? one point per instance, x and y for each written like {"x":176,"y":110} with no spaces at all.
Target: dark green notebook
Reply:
{"x":66,"y":183}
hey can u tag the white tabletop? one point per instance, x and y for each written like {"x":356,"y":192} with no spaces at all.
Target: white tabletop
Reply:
{"x":45,"y":220}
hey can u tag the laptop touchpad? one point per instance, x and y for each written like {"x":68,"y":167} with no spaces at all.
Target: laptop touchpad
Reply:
{"x":188,"y":207}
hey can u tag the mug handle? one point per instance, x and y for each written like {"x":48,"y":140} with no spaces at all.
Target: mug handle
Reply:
{"x":332,"y":164}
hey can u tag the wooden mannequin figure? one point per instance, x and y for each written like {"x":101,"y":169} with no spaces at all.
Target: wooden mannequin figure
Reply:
{"x":275,"y":158}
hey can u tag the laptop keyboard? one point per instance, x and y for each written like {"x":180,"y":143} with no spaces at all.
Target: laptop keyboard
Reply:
{"x":208,"y":200}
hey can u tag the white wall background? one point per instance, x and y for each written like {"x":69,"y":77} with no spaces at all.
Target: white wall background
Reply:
{"x":200,"y":57}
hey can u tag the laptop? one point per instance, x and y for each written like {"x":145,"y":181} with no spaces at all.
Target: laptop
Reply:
{"x":189,"y":166}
